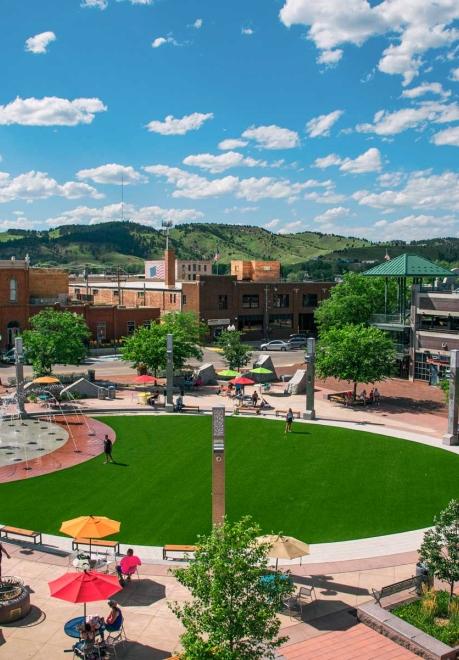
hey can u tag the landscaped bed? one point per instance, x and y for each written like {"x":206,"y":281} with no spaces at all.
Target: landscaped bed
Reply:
{"x":319,"y":483}
{"x":434,"y":615}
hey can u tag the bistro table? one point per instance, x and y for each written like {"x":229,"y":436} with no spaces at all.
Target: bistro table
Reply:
{"x":72,"y":628}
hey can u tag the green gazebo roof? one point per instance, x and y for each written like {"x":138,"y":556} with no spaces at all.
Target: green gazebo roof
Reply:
{"x":408,"y":265}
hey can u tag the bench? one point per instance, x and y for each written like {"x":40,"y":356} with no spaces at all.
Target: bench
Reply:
{"x":247,"y":410}
{"x":341,"y":398}
{"x":296,"y":413}
{"x":189,"y":407}
{"x":397,"y":587}
{"x":99,"y":543}
{"x":178,"y":548}
{"x":18,"y":531}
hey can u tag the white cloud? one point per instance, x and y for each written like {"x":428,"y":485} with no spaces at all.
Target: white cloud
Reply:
{"x":414,"y":28}
{"x":321,"y":125}
{"x":241,"y":209}
{"x":50,"y":111}
{"x":390,"y":179}
{"x":179,"y":126}
{"x":327,"y":161}
{"x":391,"y":123}
{"x":423,"y":190}
{"x":145,"y":215}
{"x":410,"y":227}
{"x":161,"y":41}
{"x":254,"y":189}
{"x":330,"y":215}
{"x":198,"y":23}
{"x":39,"y":43}
{"x":272,"y":137}
{"x":455,"y":74}
{"x":426,"y":88}
{"x":98,"y":4}
{"x":449,"y":136}
{"x":112,"y":173}
{"x":231,"y":143}
{"x":289,"y":227}
{"x":222,"y":162}
{"x":39,"y":185}
{"x":327,"y":197}
{"x":272,"y":223}
{"x":369,"y":161}
{"x":247,"y":31}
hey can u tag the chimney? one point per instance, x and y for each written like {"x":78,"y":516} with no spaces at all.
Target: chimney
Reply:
{"x":169,"y":268}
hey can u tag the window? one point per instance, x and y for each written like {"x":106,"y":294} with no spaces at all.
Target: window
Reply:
{"x":251,"y":301}
{"x":77,"y":292}
{"x":116,"y":293}
{"x":147,"y":324}
{"x":205,"y":268}
{"x":130,"y":327}
{"x":194,"y":276}
{"x":172,"y":298}
{"x":184,"y":299}
{"x":281,"y":320}
{"x":95,"y":292}
{"x":140,"y":294}
{"x":199,"y":267}
{"x":194,"y":268}
{"x":281,"y":300}
{"x":223,"y":302}
{"x":13,"y":290}
{"x":250,"y":323}
{"x":309,"y":299}
{"x":189,"y":267}
{"x":101,"y":330}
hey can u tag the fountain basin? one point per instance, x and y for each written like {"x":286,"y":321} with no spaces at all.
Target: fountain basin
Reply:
{"x":14,"y":599}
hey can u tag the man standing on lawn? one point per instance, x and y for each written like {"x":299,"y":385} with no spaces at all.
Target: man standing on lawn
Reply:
{"x":108,"y":450}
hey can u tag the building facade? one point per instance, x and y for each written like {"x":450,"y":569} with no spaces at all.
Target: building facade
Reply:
{"x":256,"y":271}
{"x":186,"y":270}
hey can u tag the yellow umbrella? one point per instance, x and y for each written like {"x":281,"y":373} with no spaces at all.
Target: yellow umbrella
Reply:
{"x":46,"y":380}
{"x":284,"y":547}
{"x":90,"y":527}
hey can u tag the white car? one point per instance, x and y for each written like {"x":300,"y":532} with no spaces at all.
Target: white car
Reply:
{"x":276,"y":345}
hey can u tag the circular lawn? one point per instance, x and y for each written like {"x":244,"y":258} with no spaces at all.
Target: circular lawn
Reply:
{"x":319,"y":483}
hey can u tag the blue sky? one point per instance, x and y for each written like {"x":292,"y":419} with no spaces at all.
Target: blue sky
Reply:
{"x":289,"y":114}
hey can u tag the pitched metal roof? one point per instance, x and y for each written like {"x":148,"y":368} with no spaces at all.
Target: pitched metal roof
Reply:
{"x":409,"y":265}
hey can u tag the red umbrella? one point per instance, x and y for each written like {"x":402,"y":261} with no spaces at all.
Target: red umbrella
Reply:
{"x":85,"y":587}
{"x":145,"y":379}
{"x":242,"y":380}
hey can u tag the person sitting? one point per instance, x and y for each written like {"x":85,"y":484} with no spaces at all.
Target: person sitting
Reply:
{"x":178,"y":404}
{"x":363,"y":396}
{"x":127,"y":566}
{"x":114,"y":620}
{"x":264,"y":404}
{"x":153,"y":399}
{"x":85,"y":647}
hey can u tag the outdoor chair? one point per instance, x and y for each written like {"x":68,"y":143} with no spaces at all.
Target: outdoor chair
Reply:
{"x":86,"y":650}
{"x":305,"y":596}
{"x":115,"y":637}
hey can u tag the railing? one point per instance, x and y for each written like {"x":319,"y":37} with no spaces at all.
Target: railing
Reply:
{"x":33,"y":300}
{"x":444,"y":331}
{"x":439,"y":288}
{"x":404,"y":349}
{"x":390,"y":319}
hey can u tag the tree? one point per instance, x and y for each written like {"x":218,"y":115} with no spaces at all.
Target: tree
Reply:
{"x":236,"y":353}
{"x":355,"y":300}
{"x":232,"y":614}
{"x":148,"y":345}
{"x":356,"y":353}
{"x":440,"y":547}
{"x":55,"y":337}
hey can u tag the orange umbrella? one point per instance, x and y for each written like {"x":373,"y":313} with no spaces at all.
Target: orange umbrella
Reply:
{"x":46,"y":380}
{"x":90,"y":527}
{"x":85,"y":587}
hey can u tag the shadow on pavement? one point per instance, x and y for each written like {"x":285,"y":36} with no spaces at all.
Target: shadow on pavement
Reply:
{"x":140,"y":593}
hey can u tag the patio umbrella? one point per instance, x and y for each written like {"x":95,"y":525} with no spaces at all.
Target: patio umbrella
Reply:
{"x":85,"y":587}
{"x":228,"y":373}
{"x":242,"y":380}
{"x":260,"y":370}
{"x":284,"y":547}
{"x":145,"y":378}
{"x":46,"y":380}
{"x":90,"y":527}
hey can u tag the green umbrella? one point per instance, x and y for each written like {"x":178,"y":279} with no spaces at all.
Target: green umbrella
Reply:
{"x":260,"y":370}
{"x":228,"y":373}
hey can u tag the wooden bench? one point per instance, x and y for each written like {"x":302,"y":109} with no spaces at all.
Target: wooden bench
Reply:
{"x":397,"y":587}
{"x":178,"y":548}
{"x":18,"y":531}
{"x":99,"y":543}
{"x":247,"y":410}
{"x":191,"y":407}
{"x":296,"y":413}
{"x":341,"y":398}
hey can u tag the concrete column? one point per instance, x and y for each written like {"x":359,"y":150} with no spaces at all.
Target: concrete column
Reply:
{"x":170,"y":374}
{"x":19,"y":368}
{"x":310,"y":412}
{"x":218,"y":465}
{"x":451,"y":438}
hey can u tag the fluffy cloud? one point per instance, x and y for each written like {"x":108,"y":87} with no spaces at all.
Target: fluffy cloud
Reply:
{"x":390,"y":179}
{"x":426,"y":88}
{"x":391,"y":123}
{"x":103,"y":4}
{"x":449,"y":136}
{"x":50,"y":111}
{"x":321,"y":125}
{"x":455,"y":74}
{"x":222,"y":162}
{"x":198,"y":23}
{"x":175,"y":126}
{"x":272,"y":223}
{"x":161,"y":41}
{"x":369,"y":161}
{"x":290,"y":227}
{"x":330,"y":215}
{"x":418,"y":26}
{"x":423,"y":190}
{"x":112,"y":173}
{"x":231,"y":143}
{"x":272,"y":137}
{"x":408,"y":227}
{"x":327,"y":197}
{"x":38,"y":185}
{"x":39,"y":43}
{"x":145,"y":215}
{"x":247,"y":31}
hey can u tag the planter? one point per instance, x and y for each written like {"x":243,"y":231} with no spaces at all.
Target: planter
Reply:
{"x":14,"y":600}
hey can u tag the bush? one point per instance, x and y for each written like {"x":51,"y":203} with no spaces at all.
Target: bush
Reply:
{"x":434,"y":615}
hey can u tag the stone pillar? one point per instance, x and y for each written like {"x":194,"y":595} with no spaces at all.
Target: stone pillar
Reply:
{"x":218,"y":465}
{"x":19,"y":368}
{"x":169,"y":268}
{"x":451,"y":438}
{"x":170,"y":374}
{"x":310,"y":412}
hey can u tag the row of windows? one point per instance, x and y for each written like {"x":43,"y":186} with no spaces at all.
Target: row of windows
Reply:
{"x":101,"y":328}
{"x":196,"y":267}
{"x":280,"y":300}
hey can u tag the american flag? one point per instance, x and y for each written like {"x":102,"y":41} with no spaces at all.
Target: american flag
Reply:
{"x":156,"y":270}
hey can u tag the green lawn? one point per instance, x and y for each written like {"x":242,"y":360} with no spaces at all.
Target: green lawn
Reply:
{"x":318,"y":484}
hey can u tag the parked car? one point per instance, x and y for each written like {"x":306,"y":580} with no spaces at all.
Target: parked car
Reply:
{"x":276,"y":345}
{"x":297,"y":341}
{"x":9,"y":357}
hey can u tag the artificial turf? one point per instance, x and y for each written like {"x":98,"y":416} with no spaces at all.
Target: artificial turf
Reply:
{"x":319,"y":483}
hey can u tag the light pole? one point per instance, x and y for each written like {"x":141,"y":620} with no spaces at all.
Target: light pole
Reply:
{"x":19,"y":368}
{"x":310,"y":358}
{"x":218,"y":465}
{"x":266,"y":321}
{"x":170,"y":374}
{"x":451,"y":438}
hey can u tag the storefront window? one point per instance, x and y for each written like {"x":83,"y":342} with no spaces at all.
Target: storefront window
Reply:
{"x":251,"y":301}
{"x":281,"y":320}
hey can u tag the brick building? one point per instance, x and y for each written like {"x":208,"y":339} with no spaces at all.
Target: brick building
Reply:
{"x":186,"y":270}
{"x":256,"y":271}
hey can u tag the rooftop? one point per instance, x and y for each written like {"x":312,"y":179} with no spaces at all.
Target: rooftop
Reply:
{"x":409,"y":265}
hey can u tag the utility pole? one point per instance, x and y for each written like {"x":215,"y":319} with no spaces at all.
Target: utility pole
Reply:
{"x":310,"y":359}
{"x":218,"y":465}
{"x":266,"y":321}
{"x":170,"y":374}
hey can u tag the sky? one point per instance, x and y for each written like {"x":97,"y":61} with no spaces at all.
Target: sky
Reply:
{"x":331,"y":116}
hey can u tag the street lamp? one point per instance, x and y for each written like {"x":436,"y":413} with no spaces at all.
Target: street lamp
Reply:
{"x":310,"y":359}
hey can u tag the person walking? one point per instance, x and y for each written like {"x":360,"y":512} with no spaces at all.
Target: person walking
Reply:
{"x":2,"y":552}
{"x":108,"y":445}
{"x":288,"y":421}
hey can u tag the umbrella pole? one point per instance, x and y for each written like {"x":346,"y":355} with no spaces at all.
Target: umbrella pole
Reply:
{"x":90,"y":552}
{"x":84,"y":610}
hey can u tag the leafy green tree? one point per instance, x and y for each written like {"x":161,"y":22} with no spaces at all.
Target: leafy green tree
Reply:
{"x":236,"y":353}
{"x":55,"y":337}
{"x":232,"y":614}
{"x":355,"y":300}
{"x":440,"y":547}
{"x":148,"y":345}
{"x":355,"y":353}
